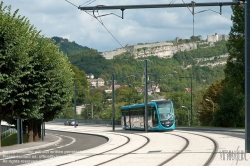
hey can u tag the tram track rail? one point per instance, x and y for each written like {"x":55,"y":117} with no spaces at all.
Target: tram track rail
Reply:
{"x":148,"y":140}
{"x":210,"y":158}
{"x":207,"y":163}
{"x":215,"y":149}
{"x":128,"y":148}
{"x":128,"y":140}
{"x":102,"y":153}
{"x":178,"y":153}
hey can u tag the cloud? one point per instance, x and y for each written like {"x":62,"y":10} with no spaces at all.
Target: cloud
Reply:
{"x":60,"y":18}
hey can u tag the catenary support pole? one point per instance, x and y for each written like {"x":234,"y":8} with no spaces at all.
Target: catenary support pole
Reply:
{"x":113,"y":102}
{"x":191,"y":106}
{"x":146,"y":96}
{"x":75,"y":103}
{"x":247,"y":76}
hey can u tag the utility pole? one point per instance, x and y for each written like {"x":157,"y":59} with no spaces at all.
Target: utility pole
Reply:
{"x":247,"y":76}
{"x":146,"y":95}
{"x":75,"y":103}
{"x":113,"y":102}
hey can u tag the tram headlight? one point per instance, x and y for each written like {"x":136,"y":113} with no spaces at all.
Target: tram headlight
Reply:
{"x":167,"y":123}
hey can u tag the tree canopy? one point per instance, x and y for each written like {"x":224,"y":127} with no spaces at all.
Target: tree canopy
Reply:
{"x":36,"y":79}
{"x":229,"y":110}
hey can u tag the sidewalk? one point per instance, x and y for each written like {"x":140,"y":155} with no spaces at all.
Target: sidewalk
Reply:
{"x":48,"y":141}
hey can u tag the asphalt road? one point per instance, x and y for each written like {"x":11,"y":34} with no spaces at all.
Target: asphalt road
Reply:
{"x":71,"y":143}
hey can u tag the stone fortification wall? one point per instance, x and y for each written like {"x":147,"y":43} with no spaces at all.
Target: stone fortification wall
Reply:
{"x":217,"y":37}
{"x":111,"y":54}
{"x":162,"y":49}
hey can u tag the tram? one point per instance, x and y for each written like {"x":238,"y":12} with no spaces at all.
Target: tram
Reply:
{"x":160,"y":116}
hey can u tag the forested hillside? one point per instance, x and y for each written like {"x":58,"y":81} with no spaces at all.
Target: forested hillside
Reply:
{"x":68,"y":47}
{"x":159,"y":68}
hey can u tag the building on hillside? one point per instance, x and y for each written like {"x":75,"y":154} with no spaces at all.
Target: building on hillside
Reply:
{"x":79,"y":109}
{"x":96,"y":82}
{"x":152,"y":90}
{"x":187,"y":90}
{"x":217,"y":37}
{"x":109,"y":90}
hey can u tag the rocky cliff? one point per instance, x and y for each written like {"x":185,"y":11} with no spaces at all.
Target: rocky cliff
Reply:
{"x":163,"y":49}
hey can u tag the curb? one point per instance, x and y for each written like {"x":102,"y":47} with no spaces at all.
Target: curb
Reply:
{"x":32,"y":148}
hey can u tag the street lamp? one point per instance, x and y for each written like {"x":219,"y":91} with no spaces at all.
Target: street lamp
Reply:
{"x":188,"y":114}
{"x":212,"y":103}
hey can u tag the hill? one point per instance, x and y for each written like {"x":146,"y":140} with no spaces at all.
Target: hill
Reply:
{"x":69,"y":47}
{"x":205,"y":63}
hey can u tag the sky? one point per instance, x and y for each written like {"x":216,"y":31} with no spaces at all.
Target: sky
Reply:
{"x":63,"y":19}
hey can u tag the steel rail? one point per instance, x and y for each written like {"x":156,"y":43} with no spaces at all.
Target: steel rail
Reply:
{"x":178,"y":153}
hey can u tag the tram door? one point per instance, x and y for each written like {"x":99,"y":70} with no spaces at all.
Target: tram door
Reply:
{"x":137,"y":118}
{"x":151,"y":116}
{"x":125,"y":121}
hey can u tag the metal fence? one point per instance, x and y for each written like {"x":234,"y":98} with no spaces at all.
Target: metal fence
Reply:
{"x":8,"y":132}
{"x":90,"y":121}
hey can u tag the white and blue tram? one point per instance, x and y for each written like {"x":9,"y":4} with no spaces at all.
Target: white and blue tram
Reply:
{"x":160,"y":116}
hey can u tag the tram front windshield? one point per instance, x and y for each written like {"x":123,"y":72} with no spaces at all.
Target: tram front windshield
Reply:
{"x":165,"y":111}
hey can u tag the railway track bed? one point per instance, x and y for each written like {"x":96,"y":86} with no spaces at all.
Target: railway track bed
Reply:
{"x":136,"y":148}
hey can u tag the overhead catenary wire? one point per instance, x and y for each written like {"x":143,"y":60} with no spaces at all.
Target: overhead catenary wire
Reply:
{"x":88,"y":2}
{"x":99,"y":22}
{"x":187,"y":6}
{"x":96,"y":8}
{"x":172,"y":2}
{"x":71,"y":3}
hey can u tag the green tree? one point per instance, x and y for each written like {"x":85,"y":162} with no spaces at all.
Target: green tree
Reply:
{"x":17,"y":41}
{"x":206,"y":114}
{"x":36,"y":78}
{"x":58,"y":79}
{"x":234,"y":70}
{"x":231,"y":110}
{"x":230,"y":113}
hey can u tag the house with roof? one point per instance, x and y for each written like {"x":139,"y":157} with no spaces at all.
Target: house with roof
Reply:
{"x":96,"y":82}
{"x":109,"y":90}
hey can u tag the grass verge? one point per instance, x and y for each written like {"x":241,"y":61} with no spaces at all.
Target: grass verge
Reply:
{"x":12,"y":140}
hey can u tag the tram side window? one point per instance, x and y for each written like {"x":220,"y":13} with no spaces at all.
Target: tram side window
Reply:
{"x":136,"y":112}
